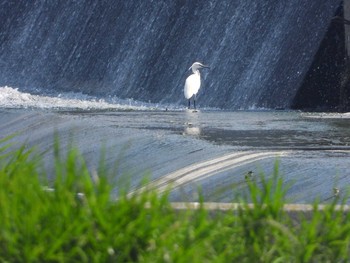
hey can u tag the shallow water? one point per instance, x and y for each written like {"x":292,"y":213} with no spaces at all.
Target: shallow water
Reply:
{"x":242,"y":129}
{"x":209,"y":149}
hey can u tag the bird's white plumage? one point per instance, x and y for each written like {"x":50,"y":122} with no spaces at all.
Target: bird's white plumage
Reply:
{"x":192,"y":85}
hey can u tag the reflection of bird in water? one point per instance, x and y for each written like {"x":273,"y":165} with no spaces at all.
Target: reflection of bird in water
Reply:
{"x":192,"y":131}
{"x":193,"y":83}
{"x":249,"y":175}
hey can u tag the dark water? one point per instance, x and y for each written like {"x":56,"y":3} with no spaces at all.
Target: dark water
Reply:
{"x":259,"y":51}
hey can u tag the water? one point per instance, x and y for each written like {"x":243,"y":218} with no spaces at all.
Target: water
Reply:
{"x":209,"y":149}
{"x":13,"y":98}
{"x":112,"y":74}
{"x":259,"y":51}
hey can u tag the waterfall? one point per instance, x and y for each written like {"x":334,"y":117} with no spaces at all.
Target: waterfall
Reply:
{"x":259,"y":50}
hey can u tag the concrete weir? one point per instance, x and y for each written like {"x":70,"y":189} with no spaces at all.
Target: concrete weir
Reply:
{"x":204,"y":170}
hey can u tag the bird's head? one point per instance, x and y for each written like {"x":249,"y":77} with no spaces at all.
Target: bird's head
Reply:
{"x":196,"y":66}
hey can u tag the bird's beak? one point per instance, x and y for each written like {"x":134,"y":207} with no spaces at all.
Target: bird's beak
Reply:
{"x":205,"y":66}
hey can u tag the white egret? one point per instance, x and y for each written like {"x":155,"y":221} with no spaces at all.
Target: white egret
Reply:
{"x":193,"y":83}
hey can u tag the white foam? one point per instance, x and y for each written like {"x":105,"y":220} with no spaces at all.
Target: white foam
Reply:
{"x":13,"y":98}
{"x":326,"y":115}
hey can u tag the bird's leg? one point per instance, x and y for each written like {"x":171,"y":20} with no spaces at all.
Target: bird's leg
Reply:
{"x":189,"y":103}
{"x":194,"y":101}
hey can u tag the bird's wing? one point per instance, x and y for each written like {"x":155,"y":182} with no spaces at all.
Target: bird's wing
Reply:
{"x":192,"y":85}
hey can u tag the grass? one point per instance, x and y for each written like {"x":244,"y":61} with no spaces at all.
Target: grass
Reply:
{"x":61,"y":225}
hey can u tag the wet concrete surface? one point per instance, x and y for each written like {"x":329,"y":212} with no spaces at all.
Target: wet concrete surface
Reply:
{"x":211,"y":150}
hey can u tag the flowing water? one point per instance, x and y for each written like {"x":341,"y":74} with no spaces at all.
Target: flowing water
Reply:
{"x":185,"y":150}
{"x":259,"y":51}
{"x":111,"y":73}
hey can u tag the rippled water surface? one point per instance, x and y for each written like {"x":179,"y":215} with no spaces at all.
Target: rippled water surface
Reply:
{"x":208,"y":149}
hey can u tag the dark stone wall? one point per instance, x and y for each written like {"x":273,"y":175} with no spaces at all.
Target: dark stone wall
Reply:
{"x":326,"y":86}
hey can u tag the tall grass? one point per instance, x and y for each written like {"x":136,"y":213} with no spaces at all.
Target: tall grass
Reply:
{"x":79,"y":221}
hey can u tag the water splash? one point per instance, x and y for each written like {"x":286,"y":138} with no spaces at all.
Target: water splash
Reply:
{"x":13,"y":98}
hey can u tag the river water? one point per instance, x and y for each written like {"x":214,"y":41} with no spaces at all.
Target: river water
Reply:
{"x":209,"y":149}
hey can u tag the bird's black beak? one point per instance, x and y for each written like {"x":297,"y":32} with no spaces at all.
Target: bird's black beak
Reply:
{"x":205,"y":66}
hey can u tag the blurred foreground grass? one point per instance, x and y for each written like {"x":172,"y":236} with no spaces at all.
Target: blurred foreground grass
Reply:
{"x":77,"y":220}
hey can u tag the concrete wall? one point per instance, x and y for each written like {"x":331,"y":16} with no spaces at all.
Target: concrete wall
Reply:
{"x":347,"y":28}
